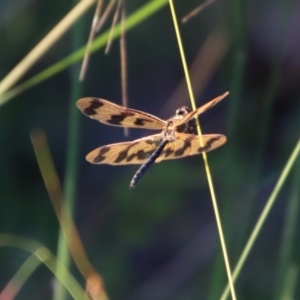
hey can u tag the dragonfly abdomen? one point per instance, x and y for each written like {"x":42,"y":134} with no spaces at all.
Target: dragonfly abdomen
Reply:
{"x":141,"y":171}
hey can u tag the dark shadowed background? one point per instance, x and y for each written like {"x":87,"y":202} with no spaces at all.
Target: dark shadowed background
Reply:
{"x":159,"y":240}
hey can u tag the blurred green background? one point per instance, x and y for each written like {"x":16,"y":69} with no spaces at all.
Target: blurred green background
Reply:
{"x":159,"y":240}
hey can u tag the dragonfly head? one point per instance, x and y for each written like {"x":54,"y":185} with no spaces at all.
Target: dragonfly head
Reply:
{"x":188,"y":127}
{"x":182,"y":111}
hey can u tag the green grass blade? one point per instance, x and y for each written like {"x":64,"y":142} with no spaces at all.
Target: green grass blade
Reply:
{"x":289,"y":234}
{"x":290,"y":283}
{"x":63,"y":253}
{"x":46,"y":257}
{"x":18,"y":280}
{"x":142,"y":14}
{"x":263,"y":216}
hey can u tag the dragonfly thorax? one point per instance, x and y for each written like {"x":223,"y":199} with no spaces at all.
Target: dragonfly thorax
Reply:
{"x":169,"y":134}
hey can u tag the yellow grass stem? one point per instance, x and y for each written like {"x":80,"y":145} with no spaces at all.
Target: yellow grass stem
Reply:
{"x":207,"y":169}
{"x":263,"y":216}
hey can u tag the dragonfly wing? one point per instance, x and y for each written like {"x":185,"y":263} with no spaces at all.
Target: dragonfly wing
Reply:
{"x":201,"y":109}
{"x":189,"y":144}
{"x":134,"y":152}
{"x":210,"y":142}
{"x":112,"y":114}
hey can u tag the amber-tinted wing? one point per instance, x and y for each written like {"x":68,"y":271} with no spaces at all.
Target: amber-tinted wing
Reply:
{"x":188,"y":144}
{"x":112,"y":114}
{"x":201,"y":109}
{"x":134,"y":152}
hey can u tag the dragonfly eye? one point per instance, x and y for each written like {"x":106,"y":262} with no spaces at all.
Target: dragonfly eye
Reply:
{"x":182,"y":111}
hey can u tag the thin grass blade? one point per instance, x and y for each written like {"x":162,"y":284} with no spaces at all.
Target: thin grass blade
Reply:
{"x":44,"y":256}
{"x":257,"y":228}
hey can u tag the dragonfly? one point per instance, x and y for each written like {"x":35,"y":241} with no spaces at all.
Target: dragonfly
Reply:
{"x":178,"y":137}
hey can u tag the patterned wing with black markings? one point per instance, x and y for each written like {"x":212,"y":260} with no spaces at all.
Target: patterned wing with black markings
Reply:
{"x":189,"y":144}
{"x":112,"y":114}
{"x":134,"y":152}
{"x":201,"y":109}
